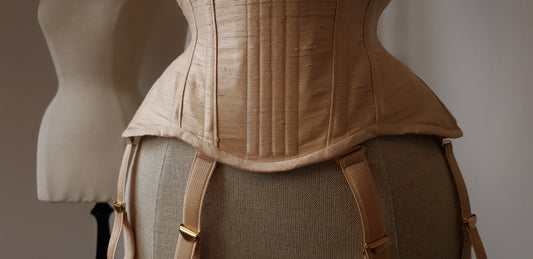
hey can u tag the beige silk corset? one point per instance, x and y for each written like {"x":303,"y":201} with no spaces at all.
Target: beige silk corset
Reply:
{"x":271,"y":85}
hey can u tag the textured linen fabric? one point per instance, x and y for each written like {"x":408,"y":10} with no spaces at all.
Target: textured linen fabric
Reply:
{"x":308,"y":212}
{"x":275,"y":85}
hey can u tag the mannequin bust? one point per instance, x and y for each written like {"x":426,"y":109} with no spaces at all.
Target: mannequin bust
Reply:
{"x":97,"y":47}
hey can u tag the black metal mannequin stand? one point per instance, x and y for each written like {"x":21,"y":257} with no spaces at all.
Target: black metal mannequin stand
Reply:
{"x":101,"y":212}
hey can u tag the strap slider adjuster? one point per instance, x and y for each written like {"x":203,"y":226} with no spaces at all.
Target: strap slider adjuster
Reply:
{"x":189,"y":234}
{"x":378,"y":246}
{"x":470,"y":223}
{"x":119,"y":206}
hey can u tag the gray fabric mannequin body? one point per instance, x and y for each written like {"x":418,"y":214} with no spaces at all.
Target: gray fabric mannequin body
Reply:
{"x":307,"y":212}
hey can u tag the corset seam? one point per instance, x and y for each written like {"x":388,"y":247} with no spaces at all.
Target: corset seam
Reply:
{"x":333,"y":52}
{"x":370,"y":63}
{"x":272,"y":57}
{"x":180,"y":112}
{"x":215,"y":84}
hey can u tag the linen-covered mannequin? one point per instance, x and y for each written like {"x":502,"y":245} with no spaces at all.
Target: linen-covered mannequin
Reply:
{"x":306,"y":212}
{"x":97,"y":48}
{"x":267,"y":94}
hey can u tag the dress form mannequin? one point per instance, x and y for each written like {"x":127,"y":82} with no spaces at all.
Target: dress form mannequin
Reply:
{"x":291,"y":214}
{"x":97,"y":48}
{"x":286,"y":214}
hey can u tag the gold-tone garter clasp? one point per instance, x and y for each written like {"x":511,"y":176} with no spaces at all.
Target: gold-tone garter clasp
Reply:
{"x":446,"y":141}
{"x":470,"y":222}
{"x":119,"y":206}
{"x":378,"y":246}
{"x":188,"y":234}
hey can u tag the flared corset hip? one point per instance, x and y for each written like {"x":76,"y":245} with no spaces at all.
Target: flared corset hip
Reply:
{"x":274,"y":85}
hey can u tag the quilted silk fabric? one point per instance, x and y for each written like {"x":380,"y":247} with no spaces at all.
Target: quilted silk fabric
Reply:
{"x":272,"y":85}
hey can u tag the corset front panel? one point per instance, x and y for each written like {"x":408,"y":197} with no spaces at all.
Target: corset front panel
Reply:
{"x":286,"y":82}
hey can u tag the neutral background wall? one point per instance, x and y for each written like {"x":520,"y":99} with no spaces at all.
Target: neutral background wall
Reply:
{"x":476,"y":55}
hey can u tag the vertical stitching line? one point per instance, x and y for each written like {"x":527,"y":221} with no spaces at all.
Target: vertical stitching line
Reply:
{"x":286,"y":87}
{"x":257,"y":98}
{"x":260,"y":115}
{"x":246,"y":76}
{"x":284,"y":91}
{"x":298,"y":72}
{"x":370,"y":62}
{"x":180,"y":113}
{"x":271,"y":94}
{"x":332,"y":73}
{"x":215,"y":84}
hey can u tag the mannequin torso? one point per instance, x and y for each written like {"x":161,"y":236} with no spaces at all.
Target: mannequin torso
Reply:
{"x":97,"y":48}
{"x":219,"y":97}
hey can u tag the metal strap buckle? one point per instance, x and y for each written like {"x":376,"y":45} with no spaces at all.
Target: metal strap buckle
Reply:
{"x":119,"y":206}
{"x":470,"y":223}
{"x":189,"y":234}
{"x":377,"y":246}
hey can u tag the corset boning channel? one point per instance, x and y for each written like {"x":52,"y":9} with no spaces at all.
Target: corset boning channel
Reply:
{"x":269,"y":85}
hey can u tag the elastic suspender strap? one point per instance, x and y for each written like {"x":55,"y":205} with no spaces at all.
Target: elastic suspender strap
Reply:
{"x":357,"y":172}
{"x":201,"y":171}
{"x":121,"y":218}
{"x":471,"y":237}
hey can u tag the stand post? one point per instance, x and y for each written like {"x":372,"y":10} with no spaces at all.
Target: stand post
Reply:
{"x":101,"y":211}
